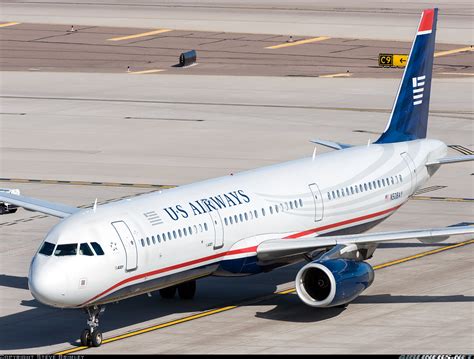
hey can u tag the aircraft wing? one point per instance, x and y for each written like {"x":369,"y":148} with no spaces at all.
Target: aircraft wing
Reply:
{"x":38,"y":205}
{"x":279,"y":248}
{"x":331,"y":144}
{"x":454,"y":159}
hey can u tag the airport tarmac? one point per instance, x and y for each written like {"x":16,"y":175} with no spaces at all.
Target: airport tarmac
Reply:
{"x":173,"y":129}
{"x":39,"y":47}
{"x":73,"y":133}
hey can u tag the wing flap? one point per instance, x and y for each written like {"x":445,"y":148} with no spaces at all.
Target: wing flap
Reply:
{"x":38,"y":205}
{"x":280,"y":248}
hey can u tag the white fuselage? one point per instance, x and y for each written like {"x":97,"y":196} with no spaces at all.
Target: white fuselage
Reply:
{"x":214,"y":227}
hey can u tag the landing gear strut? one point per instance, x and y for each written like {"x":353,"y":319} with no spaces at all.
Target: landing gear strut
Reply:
{"x":92,"y":337}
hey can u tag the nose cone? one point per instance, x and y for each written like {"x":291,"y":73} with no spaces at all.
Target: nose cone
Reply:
{"x":48,"y":283}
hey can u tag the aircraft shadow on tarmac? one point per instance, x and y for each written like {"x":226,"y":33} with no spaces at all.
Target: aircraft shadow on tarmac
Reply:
{"x":290,"y":308}
{"x":45,"y":326}
{"x":41,"y":326}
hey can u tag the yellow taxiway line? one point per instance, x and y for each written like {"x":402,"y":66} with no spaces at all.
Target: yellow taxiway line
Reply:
{"x":342,"y":74}
{"x":146,"y":72}
{"x":143,"y":34}
{"x":230,"y":307}
{"x":9,"y":24}
{"x":300,"y":42}
{"x":455,"y":51}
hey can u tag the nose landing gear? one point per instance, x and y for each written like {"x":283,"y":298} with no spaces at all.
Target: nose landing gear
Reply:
{"x":92,"y":337}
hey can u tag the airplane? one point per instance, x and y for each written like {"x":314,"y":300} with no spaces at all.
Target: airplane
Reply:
{"x":313,"y":209}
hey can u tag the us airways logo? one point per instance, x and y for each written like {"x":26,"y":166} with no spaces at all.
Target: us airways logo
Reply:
{"x":418,"y":88}
{"x":206,"y":205}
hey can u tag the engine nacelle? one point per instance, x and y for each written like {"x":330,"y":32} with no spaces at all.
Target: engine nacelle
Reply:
{"x":333,"y":282}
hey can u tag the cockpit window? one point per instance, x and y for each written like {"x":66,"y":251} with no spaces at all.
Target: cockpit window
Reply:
{"x":85,"y":250}
{"x":66,"y":250}
{"x":47,"y":249}
{"x":97,"y":248}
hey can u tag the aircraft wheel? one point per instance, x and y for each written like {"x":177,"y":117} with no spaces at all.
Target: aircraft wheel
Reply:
{"x":85,"y":337}
{"x":168,"y":293}
{"x":187,"y":290}
{"x":96,"y":338}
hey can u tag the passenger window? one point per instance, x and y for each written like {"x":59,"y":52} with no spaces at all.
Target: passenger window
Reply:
{"x":185,"y":232}
{"x":338,"y":195}
{"x":391,"y":178}
{"x":47,"y":249}
{"x":356,"y":189}
{"x":301,"y":202}
{"x":200,"y":227}
{"x":255,"y":213}
{"x":190,"y":230}
{"x":195,"y":229}
{"x":276,"y":209}
{"x":286,"y":206}
{"x":174,"y":234}
{"x":379,"y":184}
{"x":66,"y":250}
{"x":97,"y":248}
{"x":291,"y":205}
{"x":246,"y":217}
{"x":241,"y":217}
{"x":169,"y":236}
{"x":85,"y":250}
{"x":179,"y":233}
{"x":236,"y":219}
{"x":250,"y":215}
{"x":147,"y":241}
{"x":231,"y":220}
{"x":352,"y":190}
{"x":361,"y":188}
{"x":143,"y":242}
{"x":271,"y":210}
{"x":225,"y":221}
{"x":205,"y":227}
{"x":400,"y":178}
{"x":370,"y":185}
{"x":158,"y":238}
{"x":263,"y":212}
{"x":342,"y":192}
{"x":153,"y":239}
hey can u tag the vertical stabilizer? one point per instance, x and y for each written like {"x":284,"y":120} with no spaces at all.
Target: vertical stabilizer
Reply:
{"x":409,"y":118}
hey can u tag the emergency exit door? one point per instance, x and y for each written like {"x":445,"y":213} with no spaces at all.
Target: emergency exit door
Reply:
{"x":318,"y":202}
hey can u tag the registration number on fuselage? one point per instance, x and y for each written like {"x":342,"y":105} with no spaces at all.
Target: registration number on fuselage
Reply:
{"x":393,"y":196}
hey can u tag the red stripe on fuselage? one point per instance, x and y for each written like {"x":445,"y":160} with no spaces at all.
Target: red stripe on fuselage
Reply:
{"x":238,"y":251}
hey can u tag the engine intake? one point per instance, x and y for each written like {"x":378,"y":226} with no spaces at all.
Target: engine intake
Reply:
{"x":333,"y":282}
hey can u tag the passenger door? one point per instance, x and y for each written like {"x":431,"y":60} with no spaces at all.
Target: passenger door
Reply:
{"x":411,"y":167}
{"x":129,"y":243}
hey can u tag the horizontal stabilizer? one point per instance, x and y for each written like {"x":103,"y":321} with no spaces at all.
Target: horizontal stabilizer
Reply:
{"x":331,"y":144}
{"x":38,"y":205}
{"x":447,"y":160}
{"x":279,"y":248}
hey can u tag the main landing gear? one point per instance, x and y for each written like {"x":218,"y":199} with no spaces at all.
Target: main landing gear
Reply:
{"x":92,"y":337}
{"x":185,"y":290}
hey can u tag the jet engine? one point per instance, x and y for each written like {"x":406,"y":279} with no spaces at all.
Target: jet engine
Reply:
{"x":333,"y":282}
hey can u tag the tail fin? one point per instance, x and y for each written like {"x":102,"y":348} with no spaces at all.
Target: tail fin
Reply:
{"x":409,"y":118}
